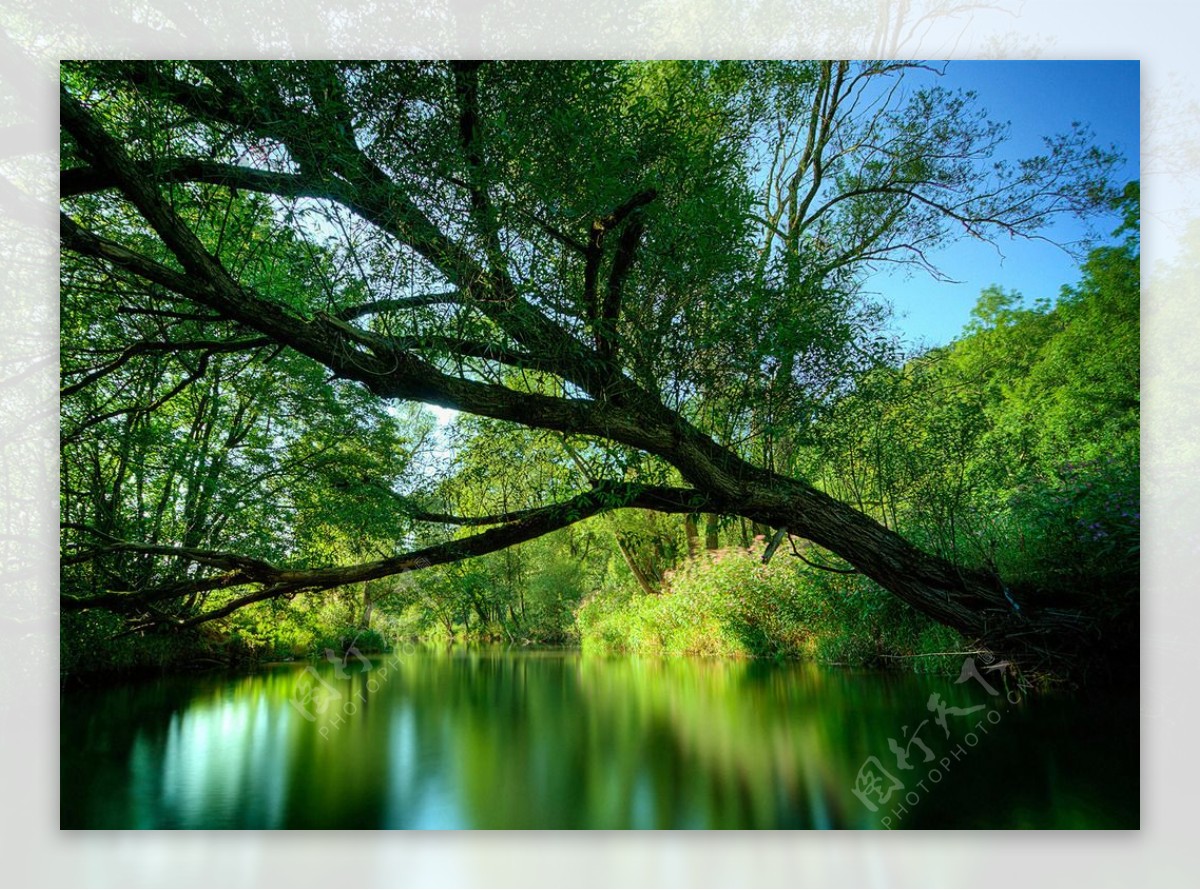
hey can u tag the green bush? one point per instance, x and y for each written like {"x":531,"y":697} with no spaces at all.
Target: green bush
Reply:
{"x":341,"y":640}
{"x":97,"y":643}
{"x":1068,"y":537}
{"x":731,"y":605}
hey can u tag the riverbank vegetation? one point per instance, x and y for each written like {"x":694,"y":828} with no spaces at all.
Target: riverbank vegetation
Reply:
{"x":680,"y":425}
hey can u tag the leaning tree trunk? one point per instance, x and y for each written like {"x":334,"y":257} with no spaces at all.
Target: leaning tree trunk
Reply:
{"x":975,"y":603}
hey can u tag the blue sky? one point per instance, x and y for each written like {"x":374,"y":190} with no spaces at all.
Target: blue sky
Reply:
{"x":1038,"y":99}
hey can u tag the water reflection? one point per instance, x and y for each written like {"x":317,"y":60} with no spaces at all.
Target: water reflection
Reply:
{"x":484,"y":738}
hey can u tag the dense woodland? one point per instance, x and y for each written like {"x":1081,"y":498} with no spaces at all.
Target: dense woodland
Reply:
{"x":682,"y":424}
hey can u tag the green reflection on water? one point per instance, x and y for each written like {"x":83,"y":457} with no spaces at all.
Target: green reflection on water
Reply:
{"x":487,"y":738}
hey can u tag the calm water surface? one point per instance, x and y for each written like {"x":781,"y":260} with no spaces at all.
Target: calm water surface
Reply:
{"x":489,"y":738}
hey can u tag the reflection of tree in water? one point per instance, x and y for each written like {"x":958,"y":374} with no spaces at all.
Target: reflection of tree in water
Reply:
{"x":771,"y":746}
{"x":496,"y":739}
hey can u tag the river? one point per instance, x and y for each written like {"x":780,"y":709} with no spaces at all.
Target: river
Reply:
{"x":494,"y":738}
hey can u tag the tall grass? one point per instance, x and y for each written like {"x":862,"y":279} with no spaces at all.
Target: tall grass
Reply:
{"x":729,"y":604}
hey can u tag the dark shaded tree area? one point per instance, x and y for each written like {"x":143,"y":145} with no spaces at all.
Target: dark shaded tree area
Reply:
{"x":658,"y":264}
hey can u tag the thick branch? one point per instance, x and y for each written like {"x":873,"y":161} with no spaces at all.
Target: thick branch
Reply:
{"x":622,"y":265}
{"x":637,"y":419}
{"x":381,"y":203}
{"x":388,"y":372}
{"x":466,"y":86}
{"x":85,"y":180}
{"x":460,"y":347}
{"x":278,"y":582}
{"x":594,"y":253}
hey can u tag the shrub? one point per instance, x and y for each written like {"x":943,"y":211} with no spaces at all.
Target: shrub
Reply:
{"x":730,"y":604}
{"x":1075,"y":536}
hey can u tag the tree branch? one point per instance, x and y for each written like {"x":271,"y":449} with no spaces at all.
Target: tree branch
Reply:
{"x":522,"y":526}
{"x":210,"y":347}
{"x":606,"y":326}
{"x":594,"y":254}
{"x":816,"y":565}
{"x":387,"y":372}
{"x":377,"y":307}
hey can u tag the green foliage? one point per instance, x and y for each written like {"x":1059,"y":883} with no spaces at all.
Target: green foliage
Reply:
{"x":1077,"y":533}
{"x":1016,"y":447}
{"x":550,"y":596}
{"x":732,"y":605}
{"x":343,"y":639}
{"x":452,"y":218}
{"x":96,"y":643}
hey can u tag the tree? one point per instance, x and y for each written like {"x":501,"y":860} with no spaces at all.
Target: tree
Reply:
{"x":574,"y":247}
{"x":1016,"y":445}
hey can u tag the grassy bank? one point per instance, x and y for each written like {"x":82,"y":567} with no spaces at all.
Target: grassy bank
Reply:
{"x":729,"y":604}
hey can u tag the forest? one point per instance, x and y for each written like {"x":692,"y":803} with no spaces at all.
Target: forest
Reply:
{"x":581,"y":354}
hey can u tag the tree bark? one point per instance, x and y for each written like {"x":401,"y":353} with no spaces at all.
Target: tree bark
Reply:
{"x":640,"y":575}
{"x":975,"y":603}
{"x":712,"y":540}
{"x":693,"y":536}
{"x":368,"y":606}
